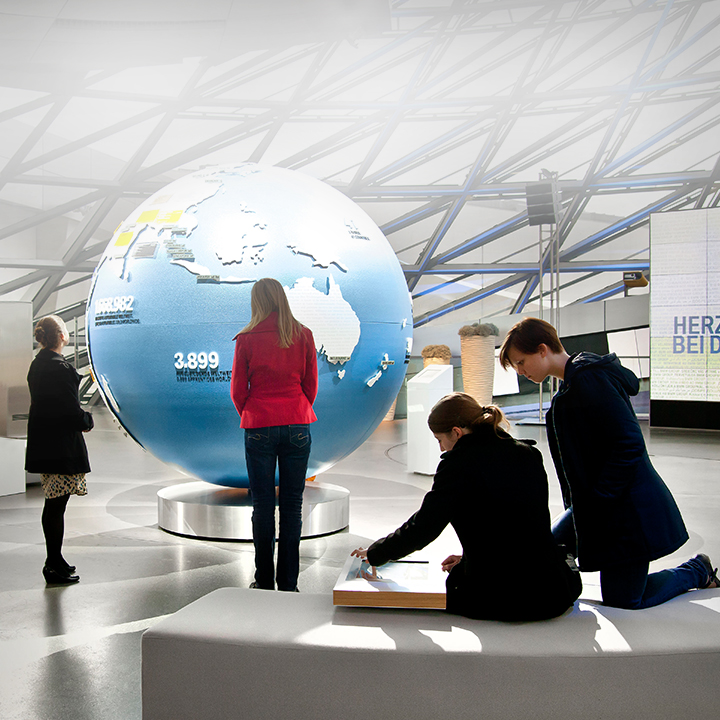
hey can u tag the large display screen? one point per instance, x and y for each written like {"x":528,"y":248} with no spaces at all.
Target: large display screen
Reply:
{"x":685,"y":306}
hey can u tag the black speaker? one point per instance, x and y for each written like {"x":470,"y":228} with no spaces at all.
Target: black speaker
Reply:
{"x":543,"y":203}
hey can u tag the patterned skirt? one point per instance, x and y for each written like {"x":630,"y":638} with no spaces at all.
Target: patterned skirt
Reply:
{"x":55,"y":486}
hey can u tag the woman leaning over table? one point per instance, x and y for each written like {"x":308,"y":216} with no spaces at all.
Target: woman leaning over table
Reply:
{"x":493,"y":490}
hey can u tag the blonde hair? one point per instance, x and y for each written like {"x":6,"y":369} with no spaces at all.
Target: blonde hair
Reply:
{"x":463,"y":411}
{"x":268,"y":296}
{"x":49,"y":331}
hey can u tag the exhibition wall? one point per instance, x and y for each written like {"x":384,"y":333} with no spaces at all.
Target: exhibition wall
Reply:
{"x":609,"y":316}
{"x":619,"y":325}
{"x":15,"y":357}
{"x":685,"y":319}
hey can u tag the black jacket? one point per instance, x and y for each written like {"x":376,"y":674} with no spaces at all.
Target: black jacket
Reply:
{"x":55,"y":444}
{"x":622,"y":509}
{"x":493,"y":490}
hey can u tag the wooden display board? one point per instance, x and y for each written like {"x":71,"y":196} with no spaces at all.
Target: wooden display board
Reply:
{"x":402,"y":584}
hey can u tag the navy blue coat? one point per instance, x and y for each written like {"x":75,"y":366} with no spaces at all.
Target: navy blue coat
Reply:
{"x":55,"y":444}
{"x":622,"y":509}
{"x":493,"y":490}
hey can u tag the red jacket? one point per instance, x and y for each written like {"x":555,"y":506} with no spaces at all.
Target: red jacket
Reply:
{"x":273,"y":385}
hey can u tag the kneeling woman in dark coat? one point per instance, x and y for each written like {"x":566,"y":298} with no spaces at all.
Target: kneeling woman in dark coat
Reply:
{"x":483,"y":472}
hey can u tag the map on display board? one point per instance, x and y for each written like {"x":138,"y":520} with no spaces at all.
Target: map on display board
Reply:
{"x":406,"y":583}
{"x":685,"y":305}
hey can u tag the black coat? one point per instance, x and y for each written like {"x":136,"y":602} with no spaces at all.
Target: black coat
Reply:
{"x":55,"y":444}
{"x":493,"y":490}
{"x":622,"y":509}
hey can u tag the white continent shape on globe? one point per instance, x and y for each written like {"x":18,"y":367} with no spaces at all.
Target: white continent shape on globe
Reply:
{"x":334,"y":324}
{"x":202,"y":271}
{"x":247,"y":236}
{"x":171,"y":213}
{"x":319,"y":253}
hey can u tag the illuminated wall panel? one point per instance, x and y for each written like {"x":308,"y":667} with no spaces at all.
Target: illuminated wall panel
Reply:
{"x":685,"y":319}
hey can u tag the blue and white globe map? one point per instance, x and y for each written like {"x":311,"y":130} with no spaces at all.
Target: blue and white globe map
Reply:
{"x":173,"y":288}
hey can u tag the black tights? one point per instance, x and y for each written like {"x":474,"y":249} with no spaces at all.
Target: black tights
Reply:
{"x":53,"y":524}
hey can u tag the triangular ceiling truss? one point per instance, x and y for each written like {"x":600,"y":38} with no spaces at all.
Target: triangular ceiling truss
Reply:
{"x":432,"y":115}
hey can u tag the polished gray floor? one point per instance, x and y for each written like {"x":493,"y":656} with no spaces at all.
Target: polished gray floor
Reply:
{"x":74,"y":652}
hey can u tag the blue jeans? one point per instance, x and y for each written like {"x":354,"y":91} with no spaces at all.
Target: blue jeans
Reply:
{"x":629,"y":585}
{"x":288,"y":448}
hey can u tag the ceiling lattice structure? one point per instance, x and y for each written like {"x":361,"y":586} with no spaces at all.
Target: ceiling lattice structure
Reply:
{"x":432,"y":115}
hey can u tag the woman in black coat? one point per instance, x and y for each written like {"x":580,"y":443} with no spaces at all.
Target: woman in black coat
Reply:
{"x":55,"y":445}
{"x":618,"y":509}
{"x":483,"y":472}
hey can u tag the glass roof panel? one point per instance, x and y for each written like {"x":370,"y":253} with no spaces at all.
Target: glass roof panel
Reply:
{"x":456,"y":105}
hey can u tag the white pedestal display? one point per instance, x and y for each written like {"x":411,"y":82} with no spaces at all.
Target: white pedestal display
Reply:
{"x":12,"y":461}
{"x":424,"y":390}
{"x":15,"y":357}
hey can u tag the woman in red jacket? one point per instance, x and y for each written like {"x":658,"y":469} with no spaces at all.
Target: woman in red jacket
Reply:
{"x":274,"y":384}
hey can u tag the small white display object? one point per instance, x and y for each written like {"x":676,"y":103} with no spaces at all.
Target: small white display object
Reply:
{"x":400,"y":584}
{"x":505,"y":382}
{"x":423,"y":391}
{"x":12,"y":459}
{"x":16,"y":354}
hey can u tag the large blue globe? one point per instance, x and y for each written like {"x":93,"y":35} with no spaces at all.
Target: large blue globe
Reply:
{"x":173,"y":288}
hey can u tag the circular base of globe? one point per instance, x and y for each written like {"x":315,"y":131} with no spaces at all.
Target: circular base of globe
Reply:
{"x":213,"y":512}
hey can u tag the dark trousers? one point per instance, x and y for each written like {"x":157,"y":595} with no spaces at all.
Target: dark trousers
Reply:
{"x":286,"y":447}
{"x":630,"y":585}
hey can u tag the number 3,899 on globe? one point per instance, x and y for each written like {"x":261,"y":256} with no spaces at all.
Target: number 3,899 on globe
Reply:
{"x":197,"y":361}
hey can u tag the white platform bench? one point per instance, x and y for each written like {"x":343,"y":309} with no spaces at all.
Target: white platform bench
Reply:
{"x":240,"y":653}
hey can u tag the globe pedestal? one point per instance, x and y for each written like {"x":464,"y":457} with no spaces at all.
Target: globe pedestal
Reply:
{"x":204,"y":510}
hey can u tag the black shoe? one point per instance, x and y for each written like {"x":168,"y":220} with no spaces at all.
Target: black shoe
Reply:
{"x":712,"y":572}
{"x":63,"y":565}
{"x":58,"y":577}
{"x":256,"y":586}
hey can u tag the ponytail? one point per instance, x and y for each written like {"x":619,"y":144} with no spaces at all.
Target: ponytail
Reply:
{"x":492,"y":415}
{"x":463,"y":411}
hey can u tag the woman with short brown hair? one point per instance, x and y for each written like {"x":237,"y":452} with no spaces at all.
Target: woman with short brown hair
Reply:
{"x":620,"y":515}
